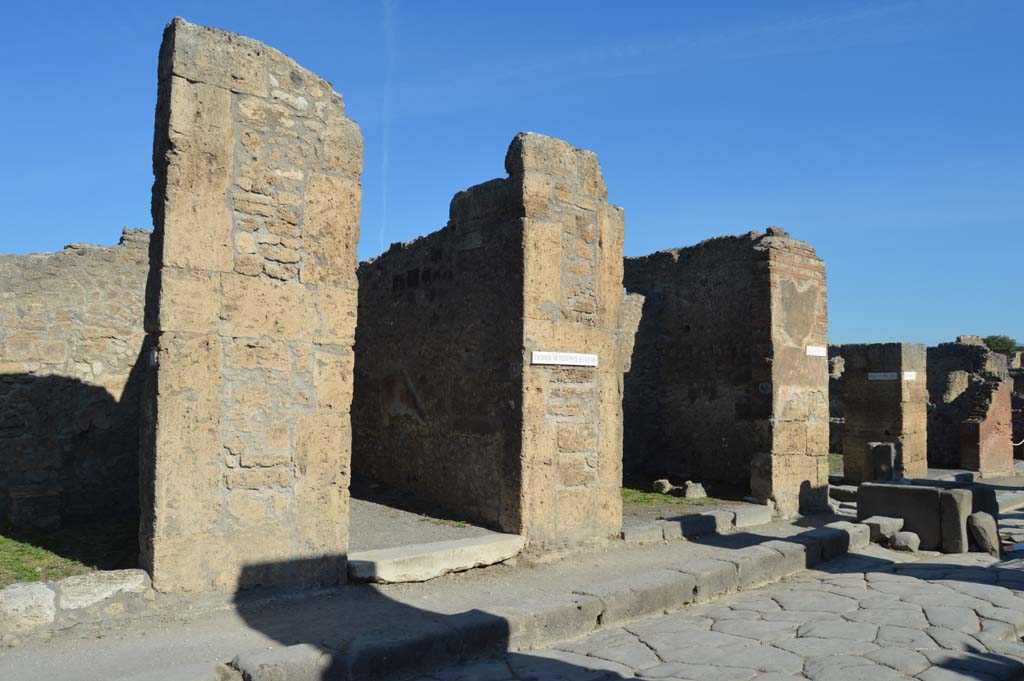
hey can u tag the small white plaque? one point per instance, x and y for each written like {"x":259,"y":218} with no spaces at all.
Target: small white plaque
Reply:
{"x":883,"y":376}
{"x":909,"y":375}
{"x":817,"y":351}
{"x":569,"y":359}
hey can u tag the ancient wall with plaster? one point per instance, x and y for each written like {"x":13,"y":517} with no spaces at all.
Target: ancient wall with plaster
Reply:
{"x":449,"y":404}
{"x":968,"y":407}
{"x":729,"y":376}
{"x":70,"y":340}
{"x":251,"y":309}
{"x":884,"y":399}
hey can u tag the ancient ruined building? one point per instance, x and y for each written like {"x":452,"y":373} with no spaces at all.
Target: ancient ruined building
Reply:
{"x":729,"y":379}
{"x":70,"y":339}
{"x":451,"y":401}
{"x":970,"y":417}
{"x":251,"y":310}
{"x":882,"y":390}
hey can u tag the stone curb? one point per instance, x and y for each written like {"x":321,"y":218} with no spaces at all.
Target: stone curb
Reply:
{"x":30,"y":607}
{"x":437,"y":641}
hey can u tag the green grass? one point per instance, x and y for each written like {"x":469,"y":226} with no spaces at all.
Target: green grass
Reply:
{"x":47,"y":556}
{"x":639,"y":497}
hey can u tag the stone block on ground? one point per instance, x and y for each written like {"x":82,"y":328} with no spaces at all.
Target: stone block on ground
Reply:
{"x":905,"y":541}
{"x":843,"y":492}
{"x":984,"y":532}
{"x":712,"y":578}
{"x":642,"y":595}
{"x":859,"y":534}
{"x":645,"y":534}
{"x":751,"y":516}
{"x":954,"y":508}
{"x":420,"y":562}
{"x":918,"y":506}
{"x":883,"y":528}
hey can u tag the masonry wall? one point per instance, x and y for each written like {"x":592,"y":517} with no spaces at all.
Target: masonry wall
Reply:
{"x":1017,"y":404}
{"x":70,"y":339}
{"x":251,"y":311}
{"x":964,"y":380}
{"x":885,"y":399}
{"x":447,"y":402}
{"x":722,"y":386}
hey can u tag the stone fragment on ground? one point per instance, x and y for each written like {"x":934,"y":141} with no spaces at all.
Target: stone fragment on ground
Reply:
{"x":883,"y":528}
{"x":905,"y":541}
{"x":984,"y":531}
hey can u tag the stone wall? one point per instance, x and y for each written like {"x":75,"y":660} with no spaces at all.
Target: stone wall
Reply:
{"x":70,"y":339}
{"x":729,"y":381}
{"x":1017,"y":404}
{"x":964,"y":380}
{"x":251,"y":310}
{"x":885,"y":399}
{"x":447,"y":403}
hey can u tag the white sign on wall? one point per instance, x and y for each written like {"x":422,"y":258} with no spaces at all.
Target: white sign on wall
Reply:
{"x":817,"y":351}
{"x":909,"y":375}
{"x":569,"y":359}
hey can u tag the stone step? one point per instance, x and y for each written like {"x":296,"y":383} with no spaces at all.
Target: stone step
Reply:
{"x":843,"y":492}
{"x":420,"y":562}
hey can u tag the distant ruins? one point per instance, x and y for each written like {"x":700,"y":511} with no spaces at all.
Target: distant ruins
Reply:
{"x":729,"y":379}
{"x":883,"y":391}
{"x":970,"y":420}
{"x":251,"y":310}
{"x":457,"y":397}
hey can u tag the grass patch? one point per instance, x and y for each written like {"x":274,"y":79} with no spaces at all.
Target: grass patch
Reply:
{"x":48,"y":556}
{"x":638,"y":497}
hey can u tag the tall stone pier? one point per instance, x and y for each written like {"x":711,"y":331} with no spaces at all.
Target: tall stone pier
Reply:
{"x":251,"y":308}
{"x":970,"y":423}
{"x":488,"y":354}
{"x":885,"y":400}
{"x":729,"y":380}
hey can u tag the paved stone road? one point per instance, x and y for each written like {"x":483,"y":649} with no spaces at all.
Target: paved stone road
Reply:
{"x":867,"y":620}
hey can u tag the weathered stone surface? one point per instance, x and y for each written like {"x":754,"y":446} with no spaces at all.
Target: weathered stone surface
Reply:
{"x":905,"y":541}
{"x":918,"y":506}
{"x":859,"y":534}
{"x":984,"y":531}
{"x":701,"y":394}
{"x":883,"y":528}
{"x":751,"y":516}
{"x":24,"y":607}
{"x":82,"y":591}
{"x":954,"y":507}
{"x":448,"y":402}
{"x":420,"y":562}
{"x":251,"y":311}
{"x":70,"y":374}
{"x":884,"y":399}
{"x":970,"y":424}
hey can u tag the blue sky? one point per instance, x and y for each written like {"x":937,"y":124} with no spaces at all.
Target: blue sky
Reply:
{"x":890,"y":135}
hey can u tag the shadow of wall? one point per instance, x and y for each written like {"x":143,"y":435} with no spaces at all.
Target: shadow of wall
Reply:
{"x":69,"y":451}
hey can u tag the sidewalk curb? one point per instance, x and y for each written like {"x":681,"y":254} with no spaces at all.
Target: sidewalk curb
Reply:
{"x":436,"y":641}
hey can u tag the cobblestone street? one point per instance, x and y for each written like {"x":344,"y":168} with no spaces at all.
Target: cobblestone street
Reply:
{"x":943,"y":618}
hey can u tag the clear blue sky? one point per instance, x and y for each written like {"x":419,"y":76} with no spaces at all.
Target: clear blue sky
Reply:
{"x":888,"y":134}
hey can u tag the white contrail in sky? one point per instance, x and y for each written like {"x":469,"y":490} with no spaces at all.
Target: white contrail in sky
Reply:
{"x":389,"y":71}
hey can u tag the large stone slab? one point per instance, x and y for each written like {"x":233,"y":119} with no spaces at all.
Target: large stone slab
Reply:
{"x":954,"y":507}
{"x":420,"y":562}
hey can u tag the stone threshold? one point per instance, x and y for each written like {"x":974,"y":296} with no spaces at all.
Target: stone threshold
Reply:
{"x":422,"y":562}
{"x":714,"y":521}
{"x":437,"y":641}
